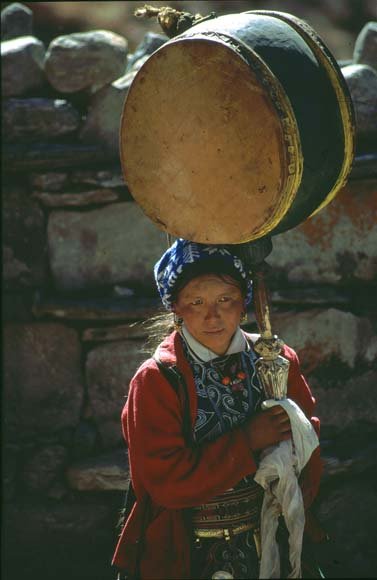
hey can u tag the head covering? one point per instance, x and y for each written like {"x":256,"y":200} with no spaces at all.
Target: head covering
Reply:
{"x":185,"y":257}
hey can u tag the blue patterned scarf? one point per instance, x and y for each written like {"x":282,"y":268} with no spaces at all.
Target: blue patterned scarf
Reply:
{"x":183,"y":255}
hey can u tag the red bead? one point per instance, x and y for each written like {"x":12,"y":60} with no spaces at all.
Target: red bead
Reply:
{"x":226,"y":381}
{"x":241,"y":375}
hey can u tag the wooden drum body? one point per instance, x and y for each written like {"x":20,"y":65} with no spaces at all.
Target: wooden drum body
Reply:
{"x":239,"y":128}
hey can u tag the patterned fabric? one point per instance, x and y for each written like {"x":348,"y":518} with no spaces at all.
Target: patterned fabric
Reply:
{"x":220,"y":409}
{"x":223,"y":407}
{"x":237,"y":556}
{"x":183,"y":254}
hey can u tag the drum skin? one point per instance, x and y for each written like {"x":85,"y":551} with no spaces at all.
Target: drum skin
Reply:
{"x":239,"y":128}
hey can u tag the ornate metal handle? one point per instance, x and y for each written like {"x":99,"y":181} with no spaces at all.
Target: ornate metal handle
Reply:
{"x":272,"y":368}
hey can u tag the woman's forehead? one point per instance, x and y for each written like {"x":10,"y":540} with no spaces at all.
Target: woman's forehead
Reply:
{"x":210,"y":284}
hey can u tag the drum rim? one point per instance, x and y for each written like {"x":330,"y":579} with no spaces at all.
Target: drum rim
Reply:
{"x":280,"y":101}
{"x":338,"y":83}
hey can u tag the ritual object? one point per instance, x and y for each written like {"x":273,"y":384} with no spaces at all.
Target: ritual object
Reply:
{"x":240,"y":127}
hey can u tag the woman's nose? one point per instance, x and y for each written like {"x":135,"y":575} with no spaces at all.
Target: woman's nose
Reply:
{"x":212,"y":312}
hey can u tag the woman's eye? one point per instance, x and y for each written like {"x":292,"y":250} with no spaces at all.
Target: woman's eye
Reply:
{"x":224,"y":299}
{"x":196,"y":302}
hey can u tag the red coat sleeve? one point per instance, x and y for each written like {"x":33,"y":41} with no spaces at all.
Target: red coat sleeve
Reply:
{"x":299,"y":391}
{"x":174,"y":475}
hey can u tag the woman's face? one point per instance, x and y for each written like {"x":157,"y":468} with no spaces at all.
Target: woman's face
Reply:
{"x":211,"y":309}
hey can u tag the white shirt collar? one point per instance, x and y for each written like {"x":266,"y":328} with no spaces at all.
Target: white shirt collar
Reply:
{"x":204,"y":354}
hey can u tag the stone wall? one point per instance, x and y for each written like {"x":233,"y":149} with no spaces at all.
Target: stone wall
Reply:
{"x":78,"y":256}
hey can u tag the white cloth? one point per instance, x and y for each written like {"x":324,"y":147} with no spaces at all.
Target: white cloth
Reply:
{"x":277,"y":473}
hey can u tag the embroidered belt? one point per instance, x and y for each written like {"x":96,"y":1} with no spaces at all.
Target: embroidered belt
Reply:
{"x":226,"y":533}
{"x":231,"y":513}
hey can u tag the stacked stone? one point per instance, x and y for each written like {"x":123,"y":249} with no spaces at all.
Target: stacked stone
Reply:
{"x":361,"y":77}
{"x":78,"y":256}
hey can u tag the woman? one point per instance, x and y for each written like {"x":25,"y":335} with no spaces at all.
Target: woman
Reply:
{"x":197,"y":505}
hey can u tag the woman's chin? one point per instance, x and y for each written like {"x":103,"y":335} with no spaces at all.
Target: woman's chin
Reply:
{"x":217,"y":341}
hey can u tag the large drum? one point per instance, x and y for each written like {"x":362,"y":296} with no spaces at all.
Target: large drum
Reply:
{"x":239,"y":128}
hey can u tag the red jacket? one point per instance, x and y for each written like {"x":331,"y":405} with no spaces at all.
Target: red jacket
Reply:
{"x":172,"y":475}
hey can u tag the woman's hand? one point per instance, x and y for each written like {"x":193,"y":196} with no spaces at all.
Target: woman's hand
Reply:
{"x":268,"y":428}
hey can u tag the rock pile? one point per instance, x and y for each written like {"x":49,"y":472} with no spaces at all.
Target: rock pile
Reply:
{"x":78,"y":256}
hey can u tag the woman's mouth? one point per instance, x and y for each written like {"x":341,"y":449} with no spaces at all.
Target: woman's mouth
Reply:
{"x":216,"y":331}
